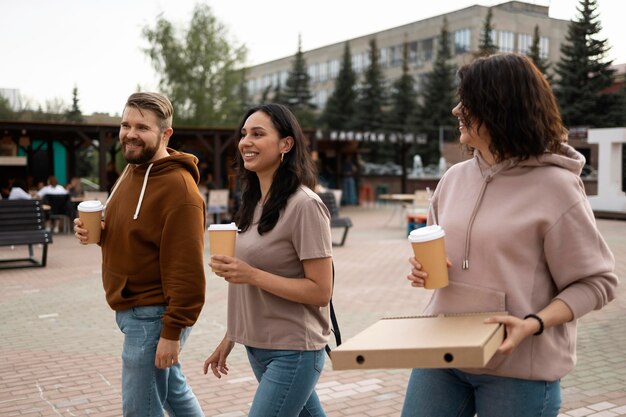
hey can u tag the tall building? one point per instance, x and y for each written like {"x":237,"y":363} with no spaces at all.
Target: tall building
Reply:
{"x":513,"y":24}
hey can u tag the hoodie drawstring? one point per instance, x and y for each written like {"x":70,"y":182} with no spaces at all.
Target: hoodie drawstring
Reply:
{"x":143,"y":190}
{"x":117,"y":183}
{"x":468,"y":233}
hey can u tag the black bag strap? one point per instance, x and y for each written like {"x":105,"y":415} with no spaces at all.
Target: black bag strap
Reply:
{"x":333,"y":319}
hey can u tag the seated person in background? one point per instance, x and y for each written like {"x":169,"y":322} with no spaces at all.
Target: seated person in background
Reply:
{"x":53,"y":187}
{"x":18,"y":191}
{"x":74,"y":187}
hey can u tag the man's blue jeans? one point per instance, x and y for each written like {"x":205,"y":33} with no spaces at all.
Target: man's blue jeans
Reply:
{"x":453,"y":393}
{"x":147,"y":390}
{"x":287,"y":381}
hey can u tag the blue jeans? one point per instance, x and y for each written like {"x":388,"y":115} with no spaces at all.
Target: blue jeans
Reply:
{"x":453,"y":393}
{"x":349,"y":196}
{"x":287,"y":381}
{"x":147,"y":390}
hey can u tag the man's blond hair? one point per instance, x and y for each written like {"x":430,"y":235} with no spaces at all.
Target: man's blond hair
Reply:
{"x":155,"y":102}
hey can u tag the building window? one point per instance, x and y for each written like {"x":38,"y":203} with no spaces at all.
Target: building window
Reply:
{"x":413,"y":52}
{"x":396,"y":55}
{"x":383,"y":54}
{"x":462,"y":41}
{"x":506,"y":41}
{"x":312,"y":70}
{"x":250,"y":86}
{"x":425,"y":50}
{"x":356,"y":63}
{"x":267,"y":81}
{"x":283,"y":78}
{"x":333,"y":68}
{"x":524,"y":42}
{"x":322,"y":71}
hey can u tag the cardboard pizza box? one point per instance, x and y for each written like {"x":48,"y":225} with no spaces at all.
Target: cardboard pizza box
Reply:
{"x":444,"y":341}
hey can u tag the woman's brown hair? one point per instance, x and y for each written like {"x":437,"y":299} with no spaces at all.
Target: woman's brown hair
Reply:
{"x":510,"y":96}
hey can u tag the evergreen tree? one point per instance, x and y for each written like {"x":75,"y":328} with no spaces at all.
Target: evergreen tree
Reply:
{"x":340,"y":107}
{"x":198,"y":68}
{"x":266,"y":94}
{"x":486,"y":46}
{"x":584,"y":73}
{"x":403,"y":108}
{"x":370,"y":108}
{"x":371,"y":98}
{"x":534,"y":53}
{"x":438,"y":98}
{"x":74,"y":114}
{"x":297,"y":95}
{"x":278,"y":94}
{"x":403,"y":98}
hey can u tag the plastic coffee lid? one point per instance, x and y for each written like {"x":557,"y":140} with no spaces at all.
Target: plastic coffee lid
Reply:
{"x":90,"y":206}
{"x":231,"y":226}
{"x":425,"y":234}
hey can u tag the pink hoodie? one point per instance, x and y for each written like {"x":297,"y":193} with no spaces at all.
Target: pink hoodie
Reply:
{"x":520,"y":234}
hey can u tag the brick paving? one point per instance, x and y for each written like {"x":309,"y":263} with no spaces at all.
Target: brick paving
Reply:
{"x":60,"y":347}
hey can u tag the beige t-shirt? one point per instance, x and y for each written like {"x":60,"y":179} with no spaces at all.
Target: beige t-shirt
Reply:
{"x":259,"y":319}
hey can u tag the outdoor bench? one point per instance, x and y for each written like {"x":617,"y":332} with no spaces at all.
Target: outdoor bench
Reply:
{"x":23,"y":222}
{"x":336,"y":221}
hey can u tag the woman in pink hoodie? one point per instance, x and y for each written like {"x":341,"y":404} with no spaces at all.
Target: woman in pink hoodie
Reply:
{"x":521,"y":238}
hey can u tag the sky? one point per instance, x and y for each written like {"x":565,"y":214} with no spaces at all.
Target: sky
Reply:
{"x":50,"y":47}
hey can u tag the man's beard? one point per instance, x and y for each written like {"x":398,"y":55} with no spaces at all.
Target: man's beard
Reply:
{"x":146,"y":154}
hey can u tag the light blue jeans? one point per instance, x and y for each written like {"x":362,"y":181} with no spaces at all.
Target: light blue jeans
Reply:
{"x":453,"y":393}
{"x":287,"y":381}
{"x":147,"y":390}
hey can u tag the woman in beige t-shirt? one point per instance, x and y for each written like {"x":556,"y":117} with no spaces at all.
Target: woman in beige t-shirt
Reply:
{"x":280,"y":280}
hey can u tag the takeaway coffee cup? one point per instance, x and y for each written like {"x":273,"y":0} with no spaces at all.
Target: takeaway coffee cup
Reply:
{"x":90,"y":213}
{"x":222,"y":238}
{"x":430,"y":251}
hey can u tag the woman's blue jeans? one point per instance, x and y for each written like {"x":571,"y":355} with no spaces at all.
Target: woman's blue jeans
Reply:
{"x":147,"y":390}
{"x":287,"y":380}
{"x":453,"y":393}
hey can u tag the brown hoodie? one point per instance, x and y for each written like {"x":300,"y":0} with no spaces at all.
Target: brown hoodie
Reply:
{"x":520,"y":234}
{"x":153,"y":242}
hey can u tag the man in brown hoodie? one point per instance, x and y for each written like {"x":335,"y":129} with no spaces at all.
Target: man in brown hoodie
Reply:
{"x":152,"y":259}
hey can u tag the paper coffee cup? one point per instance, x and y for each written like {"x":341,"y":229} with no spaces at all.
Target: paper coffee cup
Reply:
{"x":222,"y":238}
{"x":430,"y":251}
{"x":90,"y":213}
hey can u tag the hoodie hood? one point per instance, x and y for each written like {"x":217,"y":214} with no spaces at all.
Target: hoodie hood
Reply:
{"x":159,"y":167}
{"x":567,"y":158}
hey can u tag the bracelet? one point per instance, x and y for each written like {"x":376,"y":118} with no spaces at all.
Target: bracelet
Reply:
{"x":536,"y":317}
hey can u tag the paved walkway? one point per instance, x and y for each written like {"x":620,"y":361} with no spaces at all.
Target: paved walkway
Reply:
{"x":60,"y":347}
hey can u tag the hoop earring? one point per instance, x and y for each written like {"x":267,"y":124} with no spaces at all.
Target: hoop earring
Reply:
{"x":282,"y":157}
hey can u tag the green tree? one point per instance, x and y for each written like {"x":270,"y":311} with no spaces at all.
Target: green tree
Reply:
{"x":6,"y":112}
{"x":297,"y":95}
{"x":534,"y":53}
{"x":74,"y":115}
{"x":438,"y":98}
{"x":584,"y":73}
{"x":403,"y":98}
{"x":370,"y":114}
{"x":278,"y":94}
{"x":340,"y":107}
{"x":371,"y":97}
{"x":198,"y":68}
{"x":486,"y":46}
{"x":401,"y":117}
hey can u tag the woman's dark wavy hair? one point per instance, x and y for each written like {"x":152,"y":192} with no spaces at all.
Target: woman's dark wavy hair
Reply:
{"x":511,"y":97}
{"x":296,"y":169}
